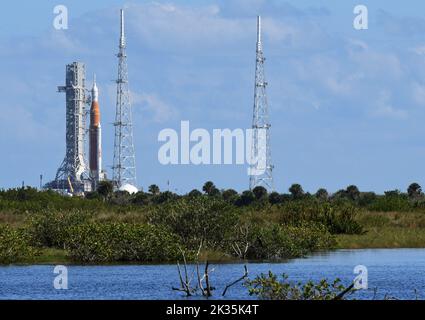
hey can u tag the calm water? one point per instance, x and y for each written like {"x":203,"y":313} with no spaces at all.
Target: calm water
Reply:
{"x":397,"y":272}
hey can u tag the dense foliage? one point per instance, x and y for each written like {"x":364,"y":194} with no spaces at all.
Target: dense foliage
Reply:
{"x":109,"y":242}
{"x":274,"y":241}
{"x":209,"y":220}
{"x":269,"y":287}
{"x":14,"y":246}
{"x":109,"y":226}
{"x":52,"y":229}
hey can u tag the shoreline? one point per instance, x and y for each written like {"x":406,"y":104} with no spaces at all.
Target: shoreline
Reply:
{"x":62,"y":258}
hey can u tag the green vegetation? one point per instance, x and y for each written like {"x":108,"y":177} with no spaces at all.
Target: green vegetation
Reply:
{"x":14,"y":246}
{"x":387,"y":230}
{"x":106,"y":242}
{"x":155,"y":226}
{"x":269,"y":287}
{"x":275,"y":241}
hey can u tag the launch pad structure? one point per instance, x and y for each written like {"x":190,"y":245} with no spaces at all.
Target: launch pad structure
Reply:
{"x":73,"y":175}
{"x":76,"y":175}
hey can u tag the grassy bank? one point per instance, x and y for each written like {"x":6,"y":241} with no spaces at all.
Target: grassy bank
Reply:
{"x":387,"y":230}
{"x":49,"y":256}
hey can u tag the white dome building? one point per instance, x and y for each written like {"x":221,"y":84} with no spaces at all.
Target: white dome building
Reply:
{"x":129,"y":188}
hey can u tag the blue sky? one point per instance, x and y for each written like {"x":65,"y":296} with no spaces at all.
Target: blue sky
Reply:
{"x":347,"y":106}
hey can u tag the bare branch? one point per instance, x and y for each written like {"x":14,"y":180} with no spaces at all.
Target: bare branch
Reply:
{"x":236,"y":281}
{"x":207,"y":280}
{"x":343,"y":293}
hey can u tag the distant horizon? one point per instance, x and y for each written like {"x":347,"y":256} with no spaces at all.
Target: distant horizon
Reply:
{"x":331,"y":192}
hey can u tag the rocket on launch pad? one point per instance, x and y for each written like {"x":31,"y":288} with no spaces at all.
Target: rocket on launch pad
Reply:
{"x":95,"y":145}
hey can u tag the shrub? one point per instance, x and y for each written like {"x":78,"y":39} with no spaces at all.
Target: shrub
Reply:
{"x":14,"y":246}
{"x":164,"y":197}
{"x":366,"y":198}
{"x":50,"y":229}
{"x":205,"y":218}
{"x":269,"y":287}
{"x":342,"y":221}
{"x":32,"y":200}
{"x":141,"y":198}
{"x":273,"y":241}
{"x":338,"y":218}
{"x":109,"y":242}
{"x":392,"y":201}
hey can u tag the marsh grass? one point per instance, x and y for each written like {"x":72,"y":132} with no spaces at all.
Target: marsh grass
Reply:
{"x":387,"y":230}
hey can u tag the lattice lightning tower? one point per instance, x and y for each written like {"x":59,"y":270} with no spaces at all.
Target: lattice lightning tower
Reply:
{"x":261,"y":150}
{"x":124,"y":167}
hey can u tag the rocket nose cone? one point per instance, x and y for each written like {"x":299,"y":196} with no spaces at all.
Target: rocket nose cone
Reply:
{"x":94,"y":90}
{"x":95,"y":93}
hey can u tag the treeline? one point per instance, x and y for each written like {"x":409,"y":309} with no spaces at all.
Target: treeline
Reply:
{"x":30,"y":199}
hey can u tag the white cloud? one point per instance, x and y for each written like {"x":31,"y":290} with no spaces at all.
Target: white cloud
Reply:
{"x":418,"y":93}
{"x":385,"y":108}
{"x":152,"y":106}
{"x":183,"y":28}
{"x":19,"y":125}
{"x":419,"y":50}
{"x":376,"y":63}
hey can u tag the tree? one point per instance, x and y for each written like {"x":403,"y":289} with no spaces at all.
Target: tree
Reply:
{"x":297,"y":191}
{"x":322,"y":194}
{"x":275,"y":198}
{"x":246,"y":198}
{"x":141,"y":198}
{"x":154,"y":189}
{"x":210,"y":189}
{"x":340,"y":194}
{"x":414,"y":190}
{"x":366,"y":198}
{"x":229,"y":194}
{"x":392,"y":193}
{"x":194,"y":193}
{"x":260,"y":192}
{"x":164,"y":197}
{"x":92,"y":195}
{"x":214,"y":192}
{"x":353,"y":192}
{"x":105,"y":189}
{"x":121,"y":198}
